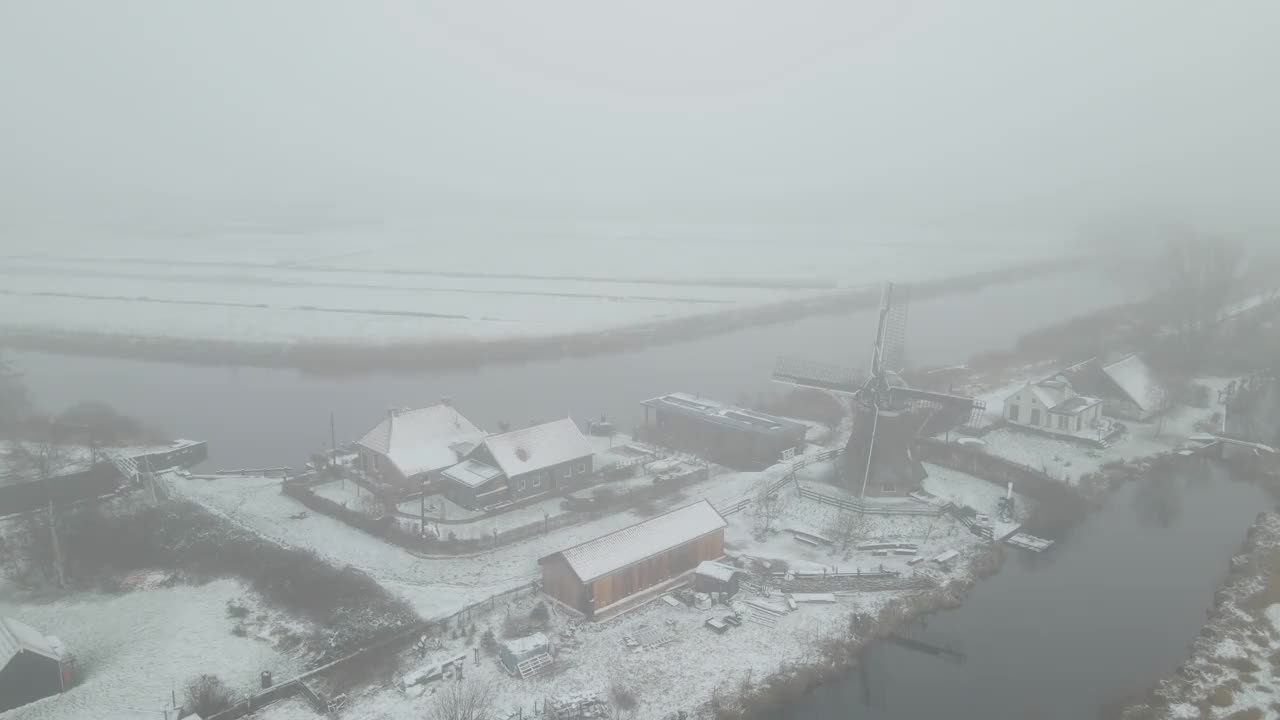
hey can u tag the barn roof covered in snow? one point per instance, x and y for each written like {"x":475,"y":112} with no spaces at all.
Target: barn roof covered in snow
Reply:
{"x":596,"y":558}
{"x":423,"y":440}
{"x":541,"y":446}
{"x":1137,"y":380}
{"x":717,"y":413}
{"x":16,"y":637}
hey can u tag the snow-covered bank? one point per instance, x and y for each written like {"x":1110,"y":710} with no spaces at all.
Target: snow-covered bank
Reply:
{"x":135,"y":650}
{"x":1234,"y":668}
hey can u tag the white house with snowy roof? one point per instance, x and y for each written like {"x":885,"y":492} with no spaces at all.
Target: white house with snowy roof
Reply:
{"x":520,"y":464}
{"x":410,"y":447}
{"x":1053,"y":406}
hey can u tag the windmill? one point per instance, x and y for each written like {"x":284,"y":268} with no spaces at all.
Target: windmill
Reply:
{"x":887,"y":414}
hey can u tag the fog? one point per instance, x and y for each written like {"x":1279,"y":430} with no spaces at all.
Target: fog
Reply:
{"x":301,"y":114}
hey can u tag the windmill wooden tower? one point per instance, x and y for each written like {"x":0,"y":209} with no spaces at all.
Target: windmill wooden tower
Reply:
{"x":887,"y":415}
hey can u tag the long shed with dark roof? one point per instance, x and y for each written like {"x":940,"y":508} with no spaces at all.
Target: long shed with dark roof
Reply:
{"x":601,"y":573}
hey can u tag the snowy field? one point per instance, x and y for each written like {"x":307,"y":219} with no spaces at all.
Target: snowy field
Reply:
{"x":133,"y":649}
{"x":448,"y":283}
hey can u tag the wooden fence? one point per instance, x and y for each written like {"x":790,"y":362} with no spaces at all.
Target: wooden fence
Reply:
{"x":870,"y":508}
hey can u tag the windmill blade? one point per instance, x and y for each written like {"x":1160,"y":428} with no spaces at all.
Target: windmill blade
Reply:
{"x":897,"y":302}
{"x":965,"y":409}
{"x":819,"y":376}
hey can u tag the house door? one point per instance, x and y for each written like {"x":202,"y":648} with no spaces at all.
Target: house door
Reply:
{"x":1035,"y":416}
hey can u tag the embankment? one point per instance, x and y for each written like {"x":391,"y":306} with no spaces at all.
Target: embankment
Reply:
{"x":1234,"y":668}
{"x":345,"y":358}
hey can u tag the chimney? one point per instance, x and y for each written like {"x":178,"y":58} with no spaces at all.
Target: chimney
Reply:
{"x":446,"y":401}
{"x":393,"y":412}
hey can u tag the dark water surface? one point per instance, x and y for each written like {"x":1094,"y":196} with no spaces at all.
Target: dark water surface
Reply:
{"x":1105,"y":613}
{"x":256,"y":417}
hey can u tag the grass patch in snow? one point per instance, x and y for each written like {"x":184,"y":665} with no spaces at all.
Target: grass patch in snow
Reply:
{"x":348,"y":607}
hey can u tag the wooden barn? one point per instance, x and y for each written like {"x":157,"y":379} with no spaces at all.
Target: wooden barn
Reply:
{"x":31,"y":665}
{"x":741,"y":439}
{"x":599,"y":574}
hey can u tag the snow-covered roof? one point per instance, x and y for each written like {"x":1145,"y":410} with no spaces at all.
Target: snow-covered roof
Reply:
{"x":597,"y":558}
{"x":16,"y":637}
{"x":1075,"y":405}
{"x":1138,"y":381}
{"x":1051,"y":394}
{"x":712,"y":411}
{"x":472,"y":473}
{"x":525,"y":645}
{"x":716,"y":570}
{"x":541,"y":446}
{"x":423,"y":440}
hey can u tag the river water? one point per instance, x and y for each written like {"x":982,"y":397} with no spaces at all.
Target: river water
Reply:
{"x":1102,"y":615}
{"x":256,"y":417}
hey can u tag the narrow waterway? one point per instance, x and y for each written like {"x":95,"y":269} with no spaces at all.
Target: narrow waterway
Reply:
{"x":1108,"y":611}
{"x":256,"y":417}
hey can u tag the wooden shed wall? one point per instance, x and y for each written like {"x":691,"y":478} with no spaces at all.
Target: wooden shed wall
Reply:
{"x":560,"y":582}
{"x":662,"y":567}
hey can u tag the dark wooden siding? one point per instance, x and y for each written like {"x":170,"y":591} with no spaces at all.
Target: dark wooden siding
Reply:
{"x":737,"y":448}
{"x":658,"y":569}
{"x":560,"y":582}
{"x":553,"y":478}
{"x":27,"y":678}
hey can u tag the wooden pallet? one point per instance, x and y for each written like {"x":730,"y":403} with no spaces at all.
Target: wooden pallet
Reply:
{"x":534,"y":666}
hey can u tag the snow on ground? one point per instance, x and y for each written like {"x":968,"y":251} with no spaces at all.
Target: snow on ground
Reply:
{"x":697,"y":663}
{"x":436,"y":587}
{"x":132,"y":649}
{"x":397,"y":287}
{"x":1068,"y":461}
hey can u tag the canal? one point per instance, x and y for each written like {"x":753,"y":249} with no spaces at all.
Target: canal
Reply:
{"x":254,"y":417}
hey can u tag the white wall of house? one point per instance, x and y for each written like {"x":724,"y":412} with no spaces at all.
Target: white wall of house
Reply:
{"x":1025,"y":408}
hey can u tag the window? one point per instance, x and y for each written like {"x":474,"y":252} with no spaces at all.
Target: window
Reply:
{"x":537,"y":480}
{"x":1077,"y":423}
{"x":1035,"y":416}
{"x":520,"y":484}
{"x":1013,"y":413}
{"x":582,"y":468}
{"x":568,"y":472}
{"x":1062,"y":422}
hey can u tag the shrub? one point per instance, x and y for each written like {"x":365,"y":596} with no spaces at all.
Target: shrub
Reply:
{"x":207,"y":695}
{"x":1221,"y":697}
{"x":624,"y":699}
{"x":236,"y":611}
{"x":488,"y":641}
{"x":540,"y":613}
{"x":1244,"y":665}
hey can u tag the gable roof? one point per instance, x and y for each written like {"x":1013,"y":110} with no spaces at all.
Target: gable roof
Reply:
{"x":1138,"y":381}
{"x":535,"y":448}
{"x":423,"y":440}
{"x":16,"y":637}
{"x":596,"y":558}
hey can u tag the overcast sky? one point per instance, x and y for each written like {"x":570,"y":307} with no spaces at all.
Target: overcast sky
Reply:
{"x":312,"y":111}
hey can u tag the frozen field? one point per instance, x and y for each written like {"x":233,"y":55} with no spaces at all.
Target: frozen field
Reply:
{"x":133,"y":649}
{"x":451,"y":283}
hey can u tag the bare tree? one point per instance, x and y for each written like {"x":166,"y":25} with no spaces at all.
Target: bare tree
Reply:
{"x":625,"y":702}
{"x":207,"y":695}
{"x":465,"y":700}
{"x":846,"y":528}
{"x":38,"y":460}
{"x":769,"y":507}
{"x":1199,"y":273}
{"x":14,"y":403}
